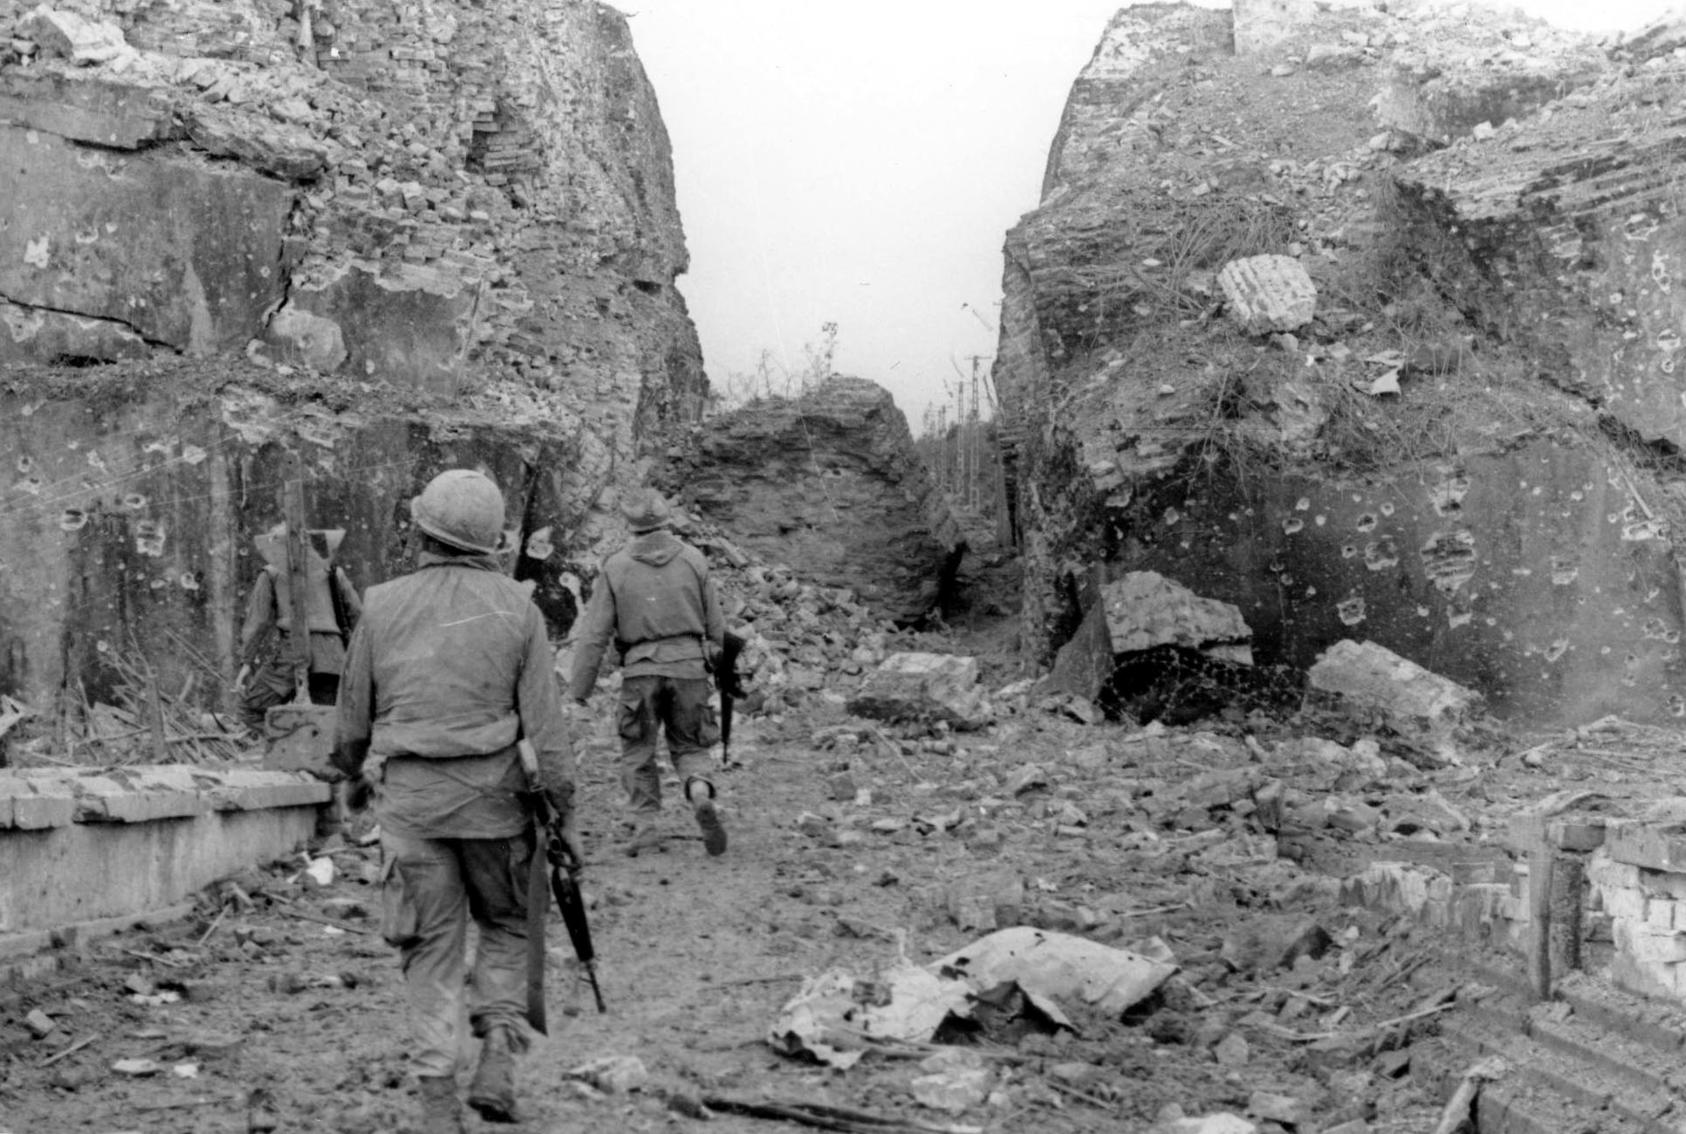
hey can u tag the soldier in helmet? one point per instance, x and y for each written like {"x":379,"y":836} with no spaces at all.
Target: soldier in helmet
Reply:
{"x":267,"y":676}
{"x":449,"y":668}
{"x":655,"y":599}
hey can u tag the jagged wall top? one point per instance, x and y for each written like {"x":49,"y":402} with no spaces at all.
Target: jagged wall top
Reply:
{"x":506,"y":159}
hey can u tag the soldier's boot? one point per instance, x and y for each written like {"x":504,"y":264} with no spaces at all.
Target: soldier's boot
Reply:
{"x":492,"y":1093}
{"x":701,"y":794}
{"x":441,"y":1113}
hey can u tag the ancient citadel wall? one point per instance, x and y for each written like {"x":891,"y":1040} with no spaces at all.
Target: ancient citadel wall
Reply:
{"x":1468,"y":453}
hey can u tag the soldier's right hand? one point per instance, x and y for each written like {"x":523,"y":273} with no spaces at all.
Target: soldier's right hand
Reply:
{"x":241,"y":678}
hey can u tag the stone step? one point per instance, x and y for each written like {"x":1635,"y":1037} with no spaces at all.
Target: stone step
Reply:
{"x":1552,"y":1086}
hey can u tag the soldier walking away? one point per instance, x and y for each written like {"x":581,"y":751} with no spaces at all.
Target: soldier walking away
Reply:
{"x":449,"y":670}
{"x":267,"y":674}
{"x":654,"y":598}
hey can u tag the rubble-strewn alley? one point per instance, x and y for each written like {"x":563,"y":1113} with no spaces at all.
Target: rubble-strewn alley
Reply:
{"x":858,"y":847}
{"x":1304,"y":760}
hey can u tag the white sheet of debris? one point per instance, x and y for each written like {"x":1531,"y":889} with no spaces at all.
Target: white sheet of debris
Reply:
{"x":837,"y":1017}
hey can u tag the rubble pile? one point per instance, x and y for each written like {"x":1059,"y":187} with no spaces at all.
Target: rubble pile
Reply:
{"x":829,"y":482}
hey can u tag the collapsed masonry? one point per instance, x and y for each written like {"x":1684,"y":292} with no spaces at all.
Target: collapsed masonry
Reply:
{"x":1362,"y":321}
{"x":828,"y":483}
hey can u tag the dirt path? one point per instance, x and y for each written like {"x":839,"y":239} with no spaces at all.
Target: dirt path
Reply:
{"x":698,"y":954}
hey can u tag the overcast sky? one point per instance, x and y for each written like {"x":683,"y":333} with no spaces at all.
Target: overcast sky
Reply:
{"x":860,"y":163}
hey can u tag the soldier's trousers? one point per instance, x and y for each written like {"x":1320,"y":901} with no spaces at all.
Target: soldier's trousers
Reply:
{"x":429,"y":890}
{"x":684,"y":709}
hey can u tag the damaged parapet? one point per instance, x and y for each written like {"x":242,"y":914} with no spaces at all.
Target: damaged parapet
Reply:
{"x":85,"y":850}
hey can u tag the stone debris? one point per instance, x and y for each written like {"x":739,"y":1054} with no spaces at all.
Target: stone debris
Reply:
{"x":954,"y":1080}
{"x":613,"y":1074}
{"x":1268,"y":294}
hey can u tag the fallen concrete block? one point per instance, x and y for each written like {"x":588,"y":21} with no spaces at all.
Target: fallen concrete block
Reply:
{"x":926,"y":688}
{"x":289,"y":152}
{"x":1418,"y":706}
{"x":1145,"y":609}
{"x":1268,"y":294}
{"x":1137,"y":612}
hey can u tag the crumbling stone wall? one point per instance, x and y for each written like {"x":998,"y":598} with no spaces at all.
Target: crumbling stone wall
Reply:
{"x":1466,"y":451}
